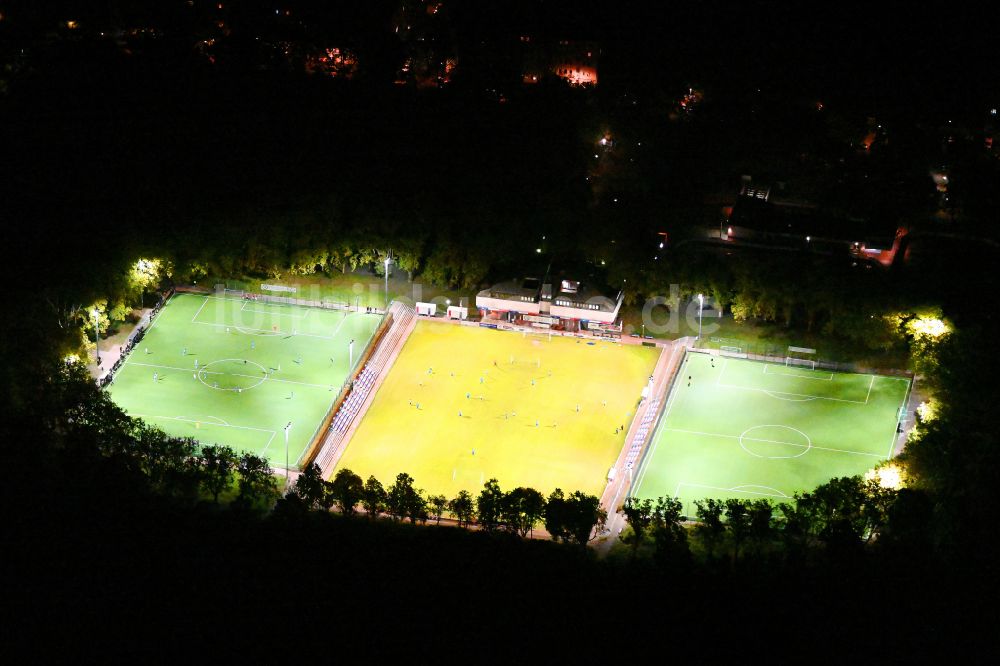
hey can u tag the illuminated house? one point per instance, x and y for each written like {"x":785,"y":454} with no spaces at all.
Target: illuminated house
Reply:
{"x":333,"y":62}
{"x":758,"y":220}
{"x":572,"y":61}
{"x":566,"y":305}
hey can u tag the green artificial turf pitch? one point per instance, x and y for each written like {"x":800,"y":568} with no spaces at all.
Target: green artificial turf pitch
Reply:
{"x":738,"y":428}
{"x":260,"y":366}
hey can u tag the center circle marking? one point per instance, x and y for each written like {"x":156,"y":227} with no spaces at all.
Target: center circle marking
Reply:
{"x":745,"y":437}
{"x":244,"y":361}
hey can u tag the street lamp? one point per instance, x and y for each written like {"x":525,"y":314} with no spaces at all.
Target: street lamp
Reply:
{"x":387,"y":260}
{"x":701,"y":304}
{"x":287,"y":427}
{"x":97,"y":336}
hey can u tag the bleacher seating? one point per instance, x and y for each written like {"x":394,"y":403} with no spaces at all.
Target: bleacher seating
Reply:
{"x":364,"y":382}
{"x":641,"y":433}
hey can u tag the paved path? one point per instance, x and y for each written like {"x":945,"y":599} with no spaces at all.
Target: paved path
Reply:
{"x":618,"y":490}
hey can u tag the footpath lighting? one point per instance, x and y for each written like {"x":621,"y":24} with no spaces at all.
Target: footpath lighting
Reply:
{"x":97,"y":336}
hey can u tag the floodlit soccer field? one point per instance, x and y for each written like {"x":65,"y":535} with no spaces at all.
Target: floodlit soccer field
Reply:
{"x":259,"y":366}
{"x":500,"y":404}
{"x":760,"y":430}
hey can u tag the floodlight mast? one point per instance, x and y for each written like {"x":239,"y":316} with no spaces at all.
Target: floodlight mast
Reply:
{"x":387,"y":260}
{"x":701,"y":304}
{"x":97,"y":336}
{"x":287,"y":427}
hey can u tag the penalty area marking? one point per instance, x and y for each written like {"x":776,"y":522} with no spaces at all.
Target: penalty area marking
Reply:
{"x":804,"y":396}
{"x":792,"y":374}
{"x":279,"y":333}
{"x":221,"y":425}
{"x":203,"y":304}
{"x":276,"y":314}
{"x":776,"y":394}
{"x":812,"y":446}
{"x":734,"y":489}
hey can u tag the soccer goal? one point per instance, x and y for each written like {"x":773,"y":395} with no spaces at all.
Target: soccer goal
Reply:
{"x":802,"y":357}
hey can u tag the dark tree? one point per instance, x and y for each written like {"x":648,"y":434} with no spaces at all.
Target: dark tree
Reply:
{"x":710,"y":526}
{"x":489,"y":505}
{"x":463,"y":507}
{"x":585,"y":516}
{"x":310,"y":486}
{"x":438,"y":505}
{"x":521,"y":509}
{"x":402,"y":499}
{"x":217,"y":468}
{"x":669,"y":535}
{"x":348,"y":489}
{"x":374,"y":497}
{"x":257,"y":484}
{"x":639,"y":514}
{"x":738,"y":523}
{"x":761,"y":523}
{"x":556,"y":518}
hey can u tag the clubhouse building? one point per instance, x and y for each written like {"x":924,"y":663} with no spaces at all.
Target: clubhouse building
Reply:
{"x":566,"y":305}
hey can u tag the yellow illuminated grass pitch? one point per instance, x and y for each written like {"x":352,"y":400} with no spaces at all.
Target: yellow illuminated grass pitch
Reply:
{"x":449,"y":369}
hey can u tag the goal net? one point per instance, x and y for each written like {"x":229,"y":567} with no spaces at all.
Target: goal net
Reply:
{"x":804,"y":357}
{"x":733,"y":351}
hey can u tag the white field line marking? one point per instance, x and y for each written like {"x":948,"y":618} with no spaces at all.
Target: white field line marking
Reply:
{"x":740,"y":488}
{"x":282,"y":305}
{"x":750,"y":439}
{"x":718,"y":377}
{"x":736,"y":489}
{"x":234,"y":374}
{"x":190,"y":420}
{"x":153,"y":320}
{"x":261,"y":330}
{"x":663,"y":420}
{"x":337,"y":330}
{"x":870,"y":385}
{"x":283,"y":381}
{"x":798,"y":395}
{"x":170,"y":367}
{"x":792,"y":374}
{"x":778,"y":397}
{"x":262,"y":451}
{"x":274,"y":314}
{"x":899,"y":414}
{"x":203,"y":304}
